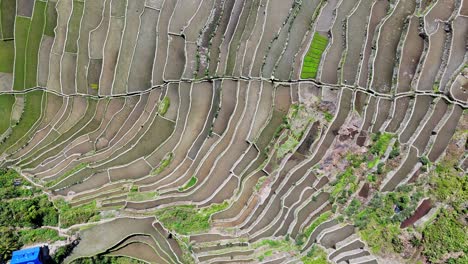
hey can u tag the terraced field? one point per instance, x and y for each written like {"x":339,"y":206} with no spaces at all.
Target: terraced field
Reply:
{"x":236,"y":131}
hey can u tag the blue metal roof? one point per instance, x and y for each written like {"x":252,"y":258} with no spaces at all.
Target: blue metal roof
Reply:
{"x":26,"y":256}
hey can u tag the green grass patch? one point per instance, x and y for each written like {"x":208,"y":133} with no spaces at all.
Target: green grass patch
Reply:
{"x":448,"y":186}
{"x":7,"y":55}
{"x":189,"y":184}
{"x":287,"y":146}
{"x":379,"y":221}
{"x":319,"y":220}
{"x":76,"y":215}
{"x":278,"y":245}
{"x":77,"y":168}
{"x":313,"y":56}
{"x":31,"y":114}
{"x":188,"y":219}
{"x":163,"y":164}
{"x":39,"y":235}
{"x":34,"y":41}
{"x":74,"y":27}
{"x":141,"y":196}
{"x":316,"y":255}
{"x":381,"y":142}
{"x":51,"y":19}
{"x":328,"y":116}
{"x":164,"y":105}
{"x":7,"y":15}
{"x":284,"y":245}
{"x":22,"y":25}
{"x":373,"y":163}
{"x":6,"y":105}
{"x":343,"y":180}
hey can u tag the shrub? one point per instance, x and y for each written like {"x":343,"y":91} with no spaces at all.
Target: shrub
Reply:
{"x":424,"y":160}
{"x":300,"y":239}
{"x":353,"y":207}
{"x":381,"y":143}
{"x":380,"y":168}
{"x":445,"y":235}
{"x":328,"y":116}
{"x":315,"y":256}
{"x":394,"y":153}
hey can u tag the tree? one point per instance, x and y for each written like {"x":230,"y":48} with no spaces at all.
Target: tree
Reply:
{"x":9,"y":242}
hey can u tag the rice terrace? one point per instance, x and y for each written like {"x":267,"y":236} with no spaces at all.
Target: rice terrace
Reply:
{"x":234,"y":131}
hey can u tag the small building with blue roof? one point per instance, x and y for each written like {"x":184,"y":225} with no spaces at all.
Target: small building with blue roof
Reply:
{"x":27,"y":256}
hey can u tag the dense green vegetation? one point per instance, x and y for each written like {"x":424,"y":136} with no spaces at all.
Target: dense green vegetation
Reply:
{"x":7,"y":15}
{"x":9,"y":242}
{"x":34,"y":41}
{"x":313,"y":56}
{"x":23,"y":211}
{"x":346,"y":183}
{"x":6,"y":105}
{"x":76,"y":215}
{"x":39,"y":235}
{"x":188,"y":219}
{"x":379,"y":221}
{"x":8,"y":189}
{"x":450,"y":185}
{"x":7,"y":53}
{"x":74,"y":27}
{"x":22,"y":25}
{"x":23,"y":205}
{"x":33,"y":212}
{"x":381,"y":143}
{"x":447,"y":234}
{"x":31,"y":114}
